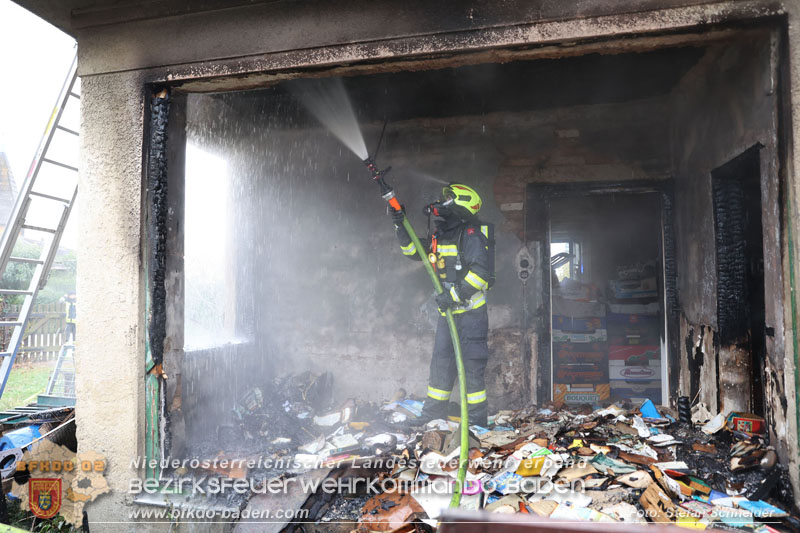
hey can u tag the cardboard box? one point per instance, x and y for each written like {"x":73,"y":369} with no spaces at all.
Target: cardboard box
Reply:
{"x":587,"y":373}
{"x":572,"y":353}
{"x":578,"y":309}
{"x":633,"y":328}
{"x":637,"y":391}
{"x":580,"y":394}
{"x":746,"y":422}
{"x":578,"y":325}
{"x":640,"y":288}
{"x":634,"y":309}
{"x":619,"y":371}
{"x":633,"y":321}
{"x":634,"y":355}
{"x":631,"y":340}
{"x":599,"y":335}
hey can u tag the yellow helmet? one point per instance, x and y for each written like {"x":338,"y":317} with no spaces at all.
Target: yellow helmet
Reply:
{"x":463,"y":196}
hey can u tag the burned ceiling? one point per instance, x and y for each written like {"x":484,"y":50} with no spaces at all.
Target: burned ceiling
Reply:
{"x":493,"y":87}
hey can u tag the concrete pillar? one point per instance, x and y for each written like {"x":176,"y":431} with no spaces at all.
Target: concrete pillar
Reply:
{"x":110,"y":346}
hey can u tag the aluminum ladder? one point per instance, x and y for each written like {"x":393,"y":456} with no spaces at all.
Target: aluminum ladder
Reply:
{"x":62,"y":380}
{"x":45,"y":201}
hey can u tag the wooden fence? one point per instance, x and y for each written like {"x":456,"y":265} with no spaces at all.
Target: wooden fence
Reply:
{"x":44,"y":334}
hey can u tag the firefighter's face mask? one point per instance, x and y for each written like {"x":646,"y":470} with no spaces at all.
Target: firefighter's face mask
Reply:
{"x":445,"y":207}
{"x":442,"y":209}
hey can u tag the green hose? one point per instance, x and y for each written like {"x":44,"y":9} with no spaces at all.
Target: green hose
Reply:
{"x":462,"y":378}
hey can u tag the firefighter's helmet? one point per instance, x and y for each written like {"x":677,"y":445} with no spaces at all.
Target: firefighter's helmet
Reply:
{"x":463,"y":196}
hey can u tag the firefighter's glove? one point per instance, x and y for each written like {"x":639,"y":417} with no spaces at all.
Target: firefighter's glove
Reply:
{"x":398,"y":216}
{"x":445,"y":300}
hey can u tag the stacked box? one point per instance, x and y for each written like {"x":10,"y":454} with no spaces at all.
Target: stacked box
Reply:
{"x":634,"y":334}
{"x":634,"y":372}
{"x":568,"y":353}
{"x":571,"y":324}
{"x":619,"y":371}
{"x":579,"y":329}
{"x":638,"y":288}
{"x":575,"y":394}
{"x":598,"y":335}
{"x":632,"y":328}
{"x":641,"y":354}
{"x":628,"y":308}
{"x":588,"y":373}
{"x":580,"y":352}
{"x":636,"y":391}
{"x":578,"y":309}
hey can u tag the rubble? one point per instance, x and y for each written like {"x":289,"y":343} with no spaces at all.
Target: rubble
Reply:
{"x":620,"y":463}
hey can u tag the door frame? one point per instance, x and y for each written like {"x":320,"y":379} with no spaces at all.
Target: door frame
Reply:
{"x":537,"y":234}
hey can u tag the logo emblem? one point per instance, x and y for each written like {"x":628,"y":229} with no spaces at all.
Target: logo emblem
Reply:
{"x":637,"y":372}
{"x":470,"y":231}
{"x":44,"y":496}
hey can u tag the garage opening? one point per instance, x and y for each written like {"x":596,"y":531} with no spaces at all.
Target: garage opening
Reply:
{"x":290,"y":299}
{"x":291,"y":264}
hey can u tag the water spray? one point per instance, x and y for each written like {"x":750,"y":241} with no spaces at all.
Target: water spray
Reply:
{"x":328,"y":102}
{"x":387,"y":192}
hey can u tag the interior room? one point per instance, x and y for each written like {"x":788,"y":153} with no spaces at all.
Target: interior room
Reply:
{"x":601,"y":162}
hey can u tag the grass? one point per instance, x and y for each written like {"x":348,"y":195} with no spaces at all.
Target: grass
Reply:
{"x":24,"y":519}
{"x":25,"y":381}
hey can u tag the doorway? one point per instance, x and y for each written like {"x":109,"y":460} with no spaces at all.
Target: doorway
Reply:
{"x":605,"y":319}
{"x":740,"y":276}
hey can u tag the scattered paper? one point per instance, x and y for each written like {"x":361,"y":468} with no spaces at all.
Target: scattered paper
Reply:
{"x":638,"y":480}
{"x":658,"y":505}
{"x":624,"y":512}
{"x":314,"y":446}
{"x":640,"y":427}
{"x":761,"y":509}
{"x":328,"y":420}
{"x":714,"y":425}
{"x":568,"y":512}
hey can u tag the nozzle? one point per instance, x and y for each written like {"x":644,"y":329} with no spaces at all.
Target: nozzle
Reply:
{"x":377,"y":174}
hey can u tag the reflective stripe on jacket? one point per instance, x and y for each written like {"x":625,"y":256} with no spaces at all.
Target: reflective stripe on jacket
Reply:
{"x":464,"y":272}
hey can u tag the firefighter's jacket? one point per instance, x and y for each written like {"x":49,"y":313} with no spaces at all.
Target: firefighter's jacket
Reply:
{"x":72,"y":315}
{"x":465,"y":271}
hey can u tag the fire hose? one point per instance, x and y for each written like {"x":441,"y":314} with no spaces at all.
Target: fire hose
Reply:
{"x":388,"y":194}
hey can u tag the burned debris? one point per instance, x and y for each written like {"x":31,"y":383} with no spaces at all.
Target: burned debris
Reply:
{"x":362,"y":466}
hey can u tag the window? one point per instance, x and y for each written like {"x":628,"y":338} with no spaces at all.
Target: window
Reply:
{"x":565,"y":256}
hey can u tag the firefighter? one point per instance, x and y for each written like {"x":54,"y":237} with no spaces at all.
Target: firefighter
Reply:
{"x":459,"y":248}
{"x":71,"y":316}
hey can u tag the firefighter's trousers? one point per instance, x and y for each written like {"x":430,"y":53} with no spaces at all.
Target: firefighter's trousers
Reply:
{"x":473,"y":331}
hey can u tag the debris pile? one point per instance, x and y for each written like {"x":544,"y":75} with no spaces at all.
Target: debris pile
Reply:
{"x":622,"y":463}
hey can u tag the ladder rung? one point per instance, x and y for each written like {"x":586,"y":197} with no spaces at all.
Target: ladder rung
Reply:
{"x":76,"y":95}
{"x":38,"y":228}
{"x":15,"y":291}
{"x":9,"y":324}
{"x":64,"y":128}
{"x":5,"y":354}
{"x":26,"y":260}
{"x":49,"y":197}
{"x":58,"y":163}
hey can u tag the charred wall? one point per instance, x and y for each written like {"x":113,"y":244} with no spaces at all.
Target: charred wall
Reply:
{"x":724,"y":106}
